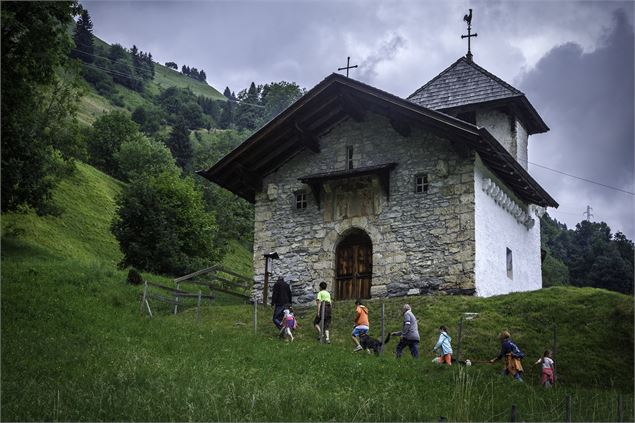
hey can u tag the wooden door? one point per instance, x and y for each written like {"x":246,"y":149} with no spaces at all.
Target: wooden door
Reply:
{"x":354,"y":269}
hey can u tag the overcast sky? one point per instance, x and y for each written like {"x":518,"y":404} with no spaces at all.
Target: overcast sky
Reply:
{"x":574,"y":61}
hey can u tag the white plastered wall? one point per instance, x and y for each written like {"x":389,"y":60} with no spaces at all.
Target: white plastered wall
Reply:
{"x":496,"y":229}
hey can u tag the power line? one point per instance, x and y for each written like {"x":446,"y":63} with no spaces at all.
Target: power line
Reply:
{"x":579,"y":177}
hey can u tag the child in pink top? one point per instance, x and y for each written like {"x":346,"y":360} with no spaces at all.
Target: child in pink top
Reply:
{"x":547,"y":377}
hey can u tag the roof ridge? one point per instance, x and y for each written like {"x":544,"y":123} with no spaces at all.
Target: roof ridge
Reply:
{"x":443,"y":72}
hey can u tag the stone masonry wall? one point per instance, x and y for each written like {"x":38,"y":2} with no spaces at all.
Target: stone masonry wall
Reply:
{"x":422,"y":242}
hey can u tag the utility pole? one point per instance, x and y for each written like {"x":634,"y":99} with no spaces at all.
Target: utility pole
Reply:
{"x":588,"y":213}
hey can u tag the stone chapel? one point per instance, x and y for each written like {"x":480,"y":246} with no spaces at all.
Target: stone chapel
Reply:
{"x":383,"y":196}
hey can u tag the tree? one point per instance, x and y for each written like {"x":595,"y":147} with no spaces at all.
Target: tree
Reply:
{"x":249,"y":113}
{"x":587,"y":256}
{"x":39,"y":96}
{"x":148,"y":119}
{"x":202,"y":76}
{"x":227,"y":93}
{"x":554,"y":272}
{"x":136,"y":60}
{"x":235,"y":216}
{"x":141,"y":156}
{"x":150,"y":63}
{"x":116,"y":52}
{"x":180,"y":145}
{"x":171,"y":65}
{"x":277,"y":96}
{"x":83,"y":38}
{"x":162,"y":227}
{"x":227,"y":115}
{"x":109,"y":132}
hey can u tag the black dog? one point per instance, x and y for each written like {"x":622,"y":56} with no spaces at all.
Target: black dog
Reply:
{"x":373,"y":344}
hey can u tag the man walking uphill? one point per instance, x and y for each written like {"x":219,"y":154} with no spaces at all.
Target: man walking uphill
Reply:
{"x":281,"y":295}
{"x":409,"y":333}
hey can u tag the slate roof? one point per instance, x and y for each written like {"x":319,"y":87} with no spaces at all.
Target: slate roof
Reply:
{"x":336,"y":98}
{"x":464,"y":84}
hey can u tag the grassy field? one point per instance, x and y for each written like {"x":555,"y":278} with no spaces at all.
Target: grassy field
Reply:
{"x":92,"y":105}
{"x":76,"y":348}
{"x":165,"y":77}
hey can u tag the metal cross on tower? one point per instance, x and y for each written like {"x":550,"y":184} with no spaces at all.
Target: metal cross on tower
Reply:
{"x":468,"y":19}
{"x":348,"y":66}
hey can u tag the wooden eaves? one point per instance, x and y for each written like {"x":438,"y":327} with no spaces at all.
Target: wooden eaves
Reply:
{"x":337,"y":98}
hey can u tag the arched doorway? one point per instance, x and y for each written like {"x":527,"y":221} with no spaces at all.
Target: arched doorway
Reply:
{"x":354,"y":266}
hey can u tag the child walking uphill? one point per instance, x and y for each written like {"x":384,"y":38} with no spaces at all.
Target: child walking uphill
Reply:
{"x":443,"y":348}
{"x":323,"y":300}
{"x":289,"y":324}
{"x":361,"y":323}
{"x":547,"y":376}
{"x":512,"y":355}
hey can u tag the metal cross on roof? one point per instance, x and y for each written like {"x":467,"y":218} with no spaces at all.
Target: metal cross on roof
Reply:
{"x":468,"y":19}
{"x":348,"y":66}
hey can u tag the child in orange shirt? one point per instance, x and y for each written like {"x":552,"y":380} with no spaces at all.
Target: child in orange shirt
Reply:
{"x":361,"y":323}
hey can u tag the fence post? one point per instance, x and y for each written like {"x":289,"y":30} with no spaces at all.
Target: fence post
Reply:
{"x":567,"y":409}
{"x":255,"y":315}
{"x":513,"y":418}
{"x":176,"y":306}
{"x":555,"y":344}
{"x":145,"y":292}
{"x":198,"y":307}
{"x":381,"y":350}
{"x":458,"y":347}
{"x":620,"y":409}
{"x":322,"y":308}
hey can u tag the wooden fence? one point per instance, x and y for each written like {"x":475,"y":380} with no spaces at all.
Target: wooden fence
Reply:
{"x":169,"y":296}
{"x":216,"y":278}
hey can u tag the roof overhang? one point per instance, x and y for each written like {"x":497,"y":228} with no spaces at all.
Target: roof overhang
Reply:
{"x":335,"y":99}
{"x":518,"y":106}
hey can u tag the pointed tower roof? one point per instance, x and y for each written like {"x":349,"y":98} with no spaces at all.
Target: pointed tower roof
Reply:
{"x":465,"y":86}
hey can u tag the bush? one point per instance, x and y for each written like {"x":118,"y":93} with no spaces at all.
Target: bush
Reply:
{"x":141,"y":156}
{"x":134,"y":277}
{"x":162,"y":227}
{"x":108,"y":133}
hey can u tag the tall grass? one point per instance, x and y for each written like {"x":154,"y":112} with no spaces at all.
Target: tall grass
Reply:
{"x":75,"y":347}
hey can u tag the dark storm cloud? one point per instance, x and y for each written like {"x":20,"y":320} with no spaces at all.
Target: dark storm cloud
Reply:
{"x":240,"y":42}
{"x":587,"y":100}
{"x":582,"y":90}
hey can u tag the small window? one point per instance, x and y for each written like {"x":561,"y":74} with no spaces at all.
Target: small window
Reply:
{"x":421,"y":183}
{"x":510,"y":264}
{"x":300,"y":200}
{"x":349,"y":157}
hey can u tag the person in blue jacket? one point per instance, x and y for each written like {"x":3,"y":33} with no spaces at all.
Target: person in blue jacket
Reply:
{"x":513,"y":356}
{"x":443,"y":348}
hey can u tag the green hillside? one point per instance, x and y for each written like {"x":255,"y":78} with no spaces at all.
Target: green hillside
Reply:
{"x":74,"y":346}
{"x":92,"y":104}
{"x":166,"y":77}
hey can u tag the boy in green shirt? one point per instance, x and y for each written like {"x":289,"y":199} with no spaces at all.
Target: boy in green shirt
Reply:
{"x":323,"y":297}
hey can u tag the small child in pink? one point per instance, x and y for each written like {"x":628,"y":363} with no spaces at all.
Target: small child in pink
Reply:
{"x":547,"y":377}
{"x":289,"y":324}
